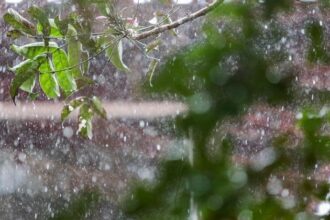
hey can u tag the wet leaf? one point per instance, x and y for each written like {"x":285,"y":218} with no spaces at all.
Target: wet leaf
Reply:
{"x":22,"y":66}
{"x":49,"y":85}
{"x":151,"y":69}
{"x":74,"y":51}
{"x":24,"y":72}
{"x":54,"y":30}
{"x":74,"y":104}
{"x":33,"y":96}
{"x":83,"y":81}
{"x":62,"y":25}
{"x":34,"y":49}
{"x":82,"y":25}
{"x":114,"y":52}
{"x":18,"y":81}
{"x":85,"y":121}
{"x":18,"y":22}
{"x":153,"y":45}
{"x":103,"y":8}
{"x":59,"y":59}
{"x":48,"y":81}
{"x":65,"y":78}
{"x":29,"y":84}
{"x":85,"y":64}
{"x":97,"y":105}
{"x":40,"y":15}
{"x":14,"y":34}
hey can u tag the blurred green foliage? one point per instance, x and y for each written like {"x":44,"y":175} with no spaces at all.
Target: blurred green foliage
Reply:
{"x":318,"y":50}
{"x":220,"y":77}
{"x":81,"y":206}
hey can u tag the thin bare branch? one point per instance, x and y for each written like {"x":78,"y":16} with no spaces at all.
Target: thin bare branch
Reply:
{"x":177,"y":23}
{"x":40,"y":37}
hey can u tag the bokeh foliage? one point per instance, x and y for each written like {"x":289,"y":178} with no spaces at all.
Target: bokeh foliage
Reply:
{"x":220,"y":77}
{"x":82,"y":205}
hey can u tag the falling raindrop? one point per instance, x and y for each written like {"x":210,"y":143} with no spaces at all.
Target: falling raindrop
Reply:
{"x":274,"y":186}
{"x":141,"y":124}
{"x":323,"y":209}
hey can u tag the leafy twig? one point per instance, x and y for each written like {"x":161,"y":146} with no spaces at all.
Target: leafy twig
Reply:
{"x":178,"y":22}
{"x":157,"y":30}
{"x":38,"y":37}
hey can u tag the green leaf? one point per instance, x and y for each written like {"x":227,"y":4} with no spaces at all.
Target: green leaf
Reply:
{"x":29,"y":84}
{"x":62,"y":25}
{"x":48,"y":81}
{"x":81,"y":205}
{"x":14,"y":34}
{"x":18,"y":22}
{"x":151,"y":69}
{"x":17,"y":82}
{"x":83,"y":81}
{"x":115,"y":53}
{"x":97,"y":105}
{"x":65,"y":78}
{"x":316,"y":51}
{"x":103,"y":8}
{"x":85,"y":121}
{"x":21,"y":66}
{"x":33,"y":96}
{"x":34,"y":49}
{"x":85,"y":65}
{"x":83,"y":27}
{"x":49,"y":85}
{"x":153,"y":45}
{"x":54,"y":30}
{"x":42,"y":18}
{"x":60,"y":61}
{"x":74,"y":51}
{"x":24,"y":71}
{"x":67,"y":109}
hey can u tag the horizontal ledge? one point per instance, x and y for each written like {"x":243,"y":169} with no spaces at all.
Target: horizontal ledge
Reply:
{"x":115,"y":110}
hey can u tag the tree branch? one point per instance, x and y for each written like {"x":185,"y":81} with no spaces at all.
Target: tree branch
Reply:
{"x":177,"y":23}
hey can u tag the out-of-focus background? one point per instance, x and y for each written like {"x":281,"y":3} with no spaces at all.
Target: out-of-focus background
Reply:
{"x":44,"y":164}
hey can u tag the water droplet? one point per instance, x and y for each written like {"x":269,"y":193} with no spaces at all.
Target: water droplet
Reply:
{"x":141,"y":124}
{"x":274,"y":186}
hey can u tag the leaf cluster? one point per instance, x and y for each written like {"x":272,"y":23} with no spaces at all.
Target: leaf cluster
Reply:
{"x":59,"y":58}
